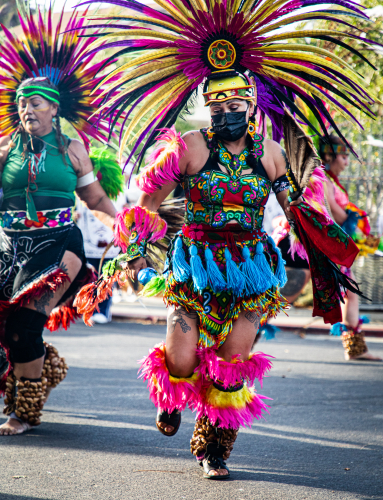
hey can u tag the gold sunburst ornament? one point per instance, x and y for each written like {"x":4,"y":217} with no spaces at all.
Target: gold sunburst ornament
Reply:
{"x":221,"y":54}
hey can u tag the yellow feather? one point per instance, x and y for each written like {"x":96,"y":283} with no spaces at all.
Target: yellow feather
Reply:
{"x":246,"y":7}
{"x":305,"y":69}
{"x":289,"y":20}
{"x":185,"y":11}
{"x":269,"y":71}
{"x":153,"y":76}
{"x":202,"y":5}
{"x":267,"y":8}
{"x":155,"y":98}
{"x":168,"y":96}
{"x":174,"y":12}
{"x":195,"y":5}
{"x":135,"y":33}
{"x":175,"y":380}
{"x":151,"y":55}
{"x":306,"y":48}
{"x":315,"y":60}
{"x":137,"y":17}
{"x":304,"y":34}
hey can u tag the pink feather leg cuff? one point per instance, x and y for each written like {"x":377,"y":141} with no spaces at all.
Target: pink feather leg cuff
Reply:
{"x":139,"y":223}
{"x":163,"y":162}
{"x":230,"y":372}
{"x":167,"y":392}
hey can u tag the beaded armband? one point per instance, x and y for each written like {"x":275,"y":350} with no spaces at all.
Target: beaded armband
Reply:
{"x":280,"y":184}
{"x":136,"y":248}
{"x":295,"y":190}
{"x":135,"y":227}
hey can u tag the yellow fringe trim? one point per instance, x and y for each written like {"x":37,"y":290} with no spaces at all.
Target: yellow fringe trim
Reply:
{"x":176,"y":380}
{"x":237,"y":400}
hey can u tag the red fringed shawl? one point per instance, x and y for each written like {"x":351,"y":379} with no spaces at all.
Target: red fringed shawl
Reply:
{"x":322,"y":238}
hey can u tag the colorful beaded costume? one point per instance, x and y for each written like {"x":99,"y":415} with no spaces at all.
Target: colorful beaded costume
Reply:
{"x":221,"y":262}
{"x":56,"y":65}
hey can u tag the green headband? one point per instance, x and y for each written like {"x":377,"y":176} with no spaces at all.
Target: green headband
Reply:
{"x":30,"y":90}
{"x":339,"y":149}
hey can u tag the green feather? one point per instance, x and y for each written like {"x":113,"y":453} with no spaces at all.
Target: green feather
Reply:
{"x":155,"y":286}
{"x":108,"y":171}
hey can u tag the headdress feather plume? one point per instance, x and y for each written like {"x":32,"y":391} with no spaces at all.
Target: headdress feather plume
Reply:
{"x":175,"y":50}
{"x":62,"y":57}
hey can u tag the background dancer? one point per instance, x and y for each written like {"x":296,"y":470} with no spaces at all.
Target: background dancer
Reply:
{"x":223,"y":270}
{"x":354,"y":221}
{"x":42,"y":261}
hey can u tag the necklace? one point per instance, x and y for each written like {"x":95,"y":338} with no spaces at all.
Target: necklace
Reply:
{"x":234,"y":163}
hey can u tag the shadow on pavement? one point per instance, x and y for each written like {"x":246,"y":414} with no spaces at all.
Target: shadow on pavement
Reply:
{"x":81,"y":330}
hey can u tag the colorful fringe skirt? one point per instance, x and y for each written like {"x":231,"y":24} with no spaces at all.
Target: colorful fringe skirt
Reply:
{"x":219,"y":273}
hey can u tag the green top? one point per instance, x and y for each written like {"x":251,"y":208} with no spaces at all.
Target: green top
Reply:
{"x":54,"y":177}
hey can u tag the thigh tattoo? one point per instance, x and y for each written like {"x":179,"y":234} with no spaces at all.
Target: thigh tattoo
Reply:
{"x":43,"y":301}
{"x":253,"y":318}
{"x":178,"y":317}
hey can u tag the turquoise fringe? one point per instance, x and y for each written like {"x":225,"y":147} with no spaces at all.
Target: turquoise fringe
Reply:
{"x":236,"y":280}
{"x":338,"y":329}
{"x":364,"y":319}
{"x":181,"y":269}
{"x":214,"y":275}
{"x":199,"y":274}
{"x":280,"y":272}
{"x":252,"y":273}
{"x":266,"y":276}
{"x":268,"y":332}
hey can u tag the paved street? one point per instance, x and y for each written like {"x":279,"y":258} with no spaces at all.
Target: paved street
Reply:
{"x":322,"y":439}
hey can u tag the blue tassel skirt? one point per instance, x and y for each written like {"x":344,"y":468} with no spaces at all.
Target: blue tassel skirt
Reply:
{"x":219,"y":273}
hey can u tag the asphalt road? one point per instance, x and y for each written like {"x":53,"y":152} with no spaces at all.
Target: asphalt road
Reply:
{"x":322,"y":439}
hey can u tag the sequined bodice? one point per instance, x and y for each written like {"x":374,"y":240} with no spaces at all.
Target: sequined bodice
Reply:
{"x":214,"y":198}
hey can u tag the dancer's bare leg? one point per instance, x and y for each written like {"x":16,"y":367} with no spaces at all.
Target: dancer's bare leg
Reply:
{"x":71,"y":264}
{"x":181,"y":344}
{"x":182,"y":339}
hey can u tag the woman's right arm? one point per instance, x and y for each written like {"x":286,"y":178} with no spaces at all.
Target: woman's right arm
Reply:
{"x":338,"y":214}
{"x":154,"y":200}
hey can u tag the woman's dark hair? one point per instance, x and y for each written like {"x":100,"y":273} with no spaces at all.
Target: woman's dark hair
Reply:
{"x":334,"y":139}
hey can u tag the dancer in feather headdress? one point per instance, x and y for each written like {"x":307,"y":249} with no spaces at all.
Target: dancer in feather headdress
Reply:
{"x":44,"y":77}
{"x":354,"y":221}
{"x":223,"y":272}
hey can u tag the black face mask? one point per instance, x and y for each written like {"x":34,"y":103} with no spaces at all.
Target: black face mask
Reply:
{"x":230,"y":126}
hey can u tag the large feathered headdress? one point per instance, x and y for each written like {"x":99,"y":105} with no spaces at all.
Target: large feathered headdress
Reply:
{"x":64,"y":59}
{"x":175,"y":49}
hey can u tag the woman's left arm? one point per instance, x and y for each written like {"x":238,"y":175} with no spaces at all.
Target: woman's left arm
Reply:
{"x":90,"y":190}
{"x":281,"y":165}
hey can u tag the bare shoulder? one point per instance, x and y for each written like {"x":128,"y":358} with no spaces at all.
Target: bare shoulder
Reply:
{"x":274,"y":159}
{"x":272,"y":147}
{"x":77,"y":148}
{"x":196,"y":155}
{"x":5,"y":140}
{"x":193,"y":139}
{"x":79,"y":157}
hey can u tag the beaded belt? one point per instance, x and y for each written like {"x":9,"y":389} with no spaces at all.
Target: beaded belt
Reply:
{"x":17,"y":220}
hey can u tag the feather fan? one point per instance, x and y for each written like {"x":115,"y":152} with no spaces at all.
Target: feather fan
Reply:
{"x":301,"y":154}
